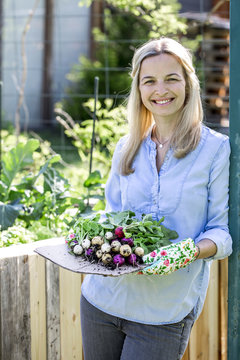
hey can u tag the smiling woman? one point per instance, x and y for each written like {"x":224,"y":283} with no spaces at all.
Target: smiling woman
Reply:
{"x":169,"y":165}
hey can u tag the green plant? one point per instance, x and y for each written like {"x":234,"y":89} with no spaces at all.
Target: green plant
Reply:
{"x":110,"y":126}
{"x":29,"y":196}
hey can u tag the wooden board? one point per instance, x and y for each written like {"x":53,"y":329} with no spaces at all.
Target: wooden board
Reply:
{"x":15,"y":337}
{"x":59,"y":254}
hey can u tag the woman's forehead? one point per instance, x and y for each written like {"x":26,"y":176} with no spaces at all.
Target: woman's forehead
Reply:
{"x":162,"y":63}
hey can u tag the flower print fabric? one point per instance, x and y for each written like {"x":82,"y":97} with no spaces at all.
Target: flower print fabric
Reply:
{"x":170,"y":258}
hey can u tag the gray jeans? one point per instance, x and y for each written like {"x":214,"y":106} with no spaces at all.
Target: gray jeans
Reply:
{"x":107,"y":337}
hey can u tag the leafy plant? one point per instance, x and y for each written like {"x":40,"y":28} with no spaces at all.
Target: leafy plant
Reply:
{"x":28,"y":196}
{"x":110,"y":126}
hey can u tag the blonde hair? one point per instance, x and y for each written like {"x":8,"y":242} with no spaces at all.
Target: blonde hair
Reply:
{"x":187,"y":131}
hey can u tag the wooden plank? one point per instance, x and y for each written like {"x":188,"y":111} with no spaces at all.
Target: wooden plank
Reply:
{"x":204,"y":341}
{"x":212,"y":320}
{"x":223,"y":311}
{"x":15,"y":309}
{"x":38,"y":307}
{"x":70,"y":290}
{"x":53,"y":311}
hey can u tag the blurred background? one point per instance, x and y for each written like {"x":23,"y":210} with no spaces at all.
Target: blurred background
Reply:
{"x":52,"y":54}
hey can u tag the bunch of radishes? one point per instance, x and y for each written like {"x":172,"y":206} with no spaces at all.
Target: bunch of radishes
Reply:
{"x":112,"y":249}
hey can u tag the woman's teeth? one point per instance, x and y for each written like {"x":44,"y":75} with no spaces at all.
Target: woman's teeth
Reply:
{"x":163,"y":101}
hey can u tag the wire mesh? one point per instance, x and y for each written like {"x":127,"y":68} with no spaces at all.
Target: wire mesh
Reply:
{"x":71,"y":38}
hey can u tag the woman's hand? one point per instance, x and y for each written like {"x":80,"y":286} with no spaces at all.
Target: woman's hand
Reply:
{"x":170,"y":258}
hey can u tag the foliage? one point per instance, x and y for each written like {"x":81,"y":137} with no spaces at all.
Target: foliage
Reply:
{"x":42,"y":196}
{"x":110,"y":126}
{"x":113,"y":49}
{"x":36,"y":200}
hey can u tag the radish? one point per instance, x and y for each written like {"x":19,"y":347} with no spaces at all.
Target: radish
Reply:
{"x":119,"y":232}
{"x":106,"y":248}
{"x":109,"y":235}
{"x":115,"y":245}
{"x":139,"y":251}
{"x":89,"y":252}
{"x":118,"y":260}
{"x":125,"y":250}
{"x":106,"y":259}
{"x":132,"y":259}
{"x":97,"y":240}
{"x":86,"y":243}
{"x":99,"y":254}
{"x":128,"y":241}
{"x":77,"y":249}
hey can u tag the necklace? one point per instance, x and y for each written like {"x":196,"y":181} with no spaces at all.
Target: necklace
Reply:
{"x":160,"y":144}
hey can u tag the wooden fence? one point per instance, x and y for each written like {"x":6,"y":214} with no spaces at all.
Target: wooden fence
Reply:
{"x":40,"y":315}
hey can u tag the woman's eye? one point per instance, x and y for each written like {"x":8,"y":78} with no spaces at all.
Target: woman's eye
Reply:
{"x":149,"y":82}
{"x":172,"y":79}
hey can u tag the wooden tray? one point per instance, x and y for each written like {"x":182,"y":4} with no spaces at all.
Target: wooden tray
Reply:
{"x":59,"y":255}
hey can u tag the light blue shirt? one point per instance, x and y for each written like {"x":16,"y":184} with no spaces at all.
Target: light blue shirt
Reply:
{"x":192,"y":194}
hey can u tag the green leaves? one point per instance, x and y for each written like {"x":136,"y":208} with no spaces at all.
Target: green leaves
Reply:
{"x":147,"y":233}
{"x":93,"y":179}
{"x":42,"y":196}
{"x":14,"y":161}
{"x":8,"y":214}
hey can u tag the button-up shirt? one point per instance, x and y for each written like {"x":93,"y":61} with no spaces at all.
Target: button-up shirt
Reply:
{"x":192,"y":195}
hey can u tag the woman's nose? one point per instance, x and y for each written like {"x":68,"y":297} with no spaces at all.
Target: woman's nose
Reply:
{"x":161,"y":88}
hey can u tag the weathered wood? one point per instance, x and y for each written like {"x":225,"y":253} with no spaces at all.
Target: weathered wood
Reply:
{"x":70,"y":290}
{"x":31,"y":285}
{"x":223,"y":299}
{"x":53,"y":311}
{"x":203,"y":342}
{"x":37,"y":307}
{"x":15,"y":309}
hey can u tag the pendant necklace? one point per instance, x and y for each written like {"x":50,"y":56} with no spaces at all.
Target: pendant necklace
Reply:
{"x":160,"y":144}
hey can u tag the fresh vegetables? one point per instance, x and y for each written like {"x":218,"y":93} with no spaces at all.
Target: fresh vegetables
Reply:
{"x":118,"y":239}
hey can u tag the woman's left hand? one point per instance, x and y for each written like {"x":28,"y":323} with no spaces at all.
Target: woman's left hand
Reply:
{"x":170,"y":258}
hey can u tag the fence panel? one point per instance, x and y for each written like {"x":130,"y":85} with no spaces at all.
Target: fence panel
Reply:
{"x":40,"y":309}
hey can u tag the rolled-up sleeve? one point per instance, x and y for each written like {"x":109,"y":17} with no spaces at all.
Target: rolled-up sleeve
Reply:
{"x":216,"y":228}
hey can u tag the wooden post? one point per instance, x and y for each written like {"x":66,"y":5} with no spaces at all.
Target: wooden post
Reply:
{"x":234,"y":259}
{"x":47,"y":64}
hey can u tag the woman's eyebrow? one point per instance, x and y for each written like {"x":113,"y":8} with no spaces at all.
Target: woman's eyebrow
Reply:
{"x":146,"y":77}
{"x":174,"y":74}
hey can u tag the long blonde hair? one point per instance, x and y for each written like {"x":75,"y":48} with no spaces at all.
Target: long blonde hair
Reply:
{"x":188,"y":129}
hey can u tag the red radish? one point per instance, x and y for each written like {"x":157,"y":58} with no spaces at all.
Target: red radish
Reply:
{"x":119,"y":260}
{"x":132,"y":259}
{"x":88,"y":252}
{"x":119,"y":232}
{"x":128,"y":241}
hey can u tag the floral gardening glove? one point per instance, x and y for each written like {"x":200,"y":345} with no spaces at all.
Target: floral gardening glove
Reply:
{"x":170,"y":258}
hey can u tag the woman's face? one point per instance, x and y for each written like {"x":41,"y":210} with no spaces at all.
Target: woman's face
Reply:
{"x":162,"y":86}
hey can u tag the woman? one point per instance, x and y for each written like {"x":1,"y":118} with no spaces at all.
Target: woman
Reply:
{"x":169,"y":165}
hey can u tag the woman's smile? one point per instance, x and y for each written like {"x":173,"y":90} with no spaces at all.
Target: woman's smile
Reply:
{"x":163,"y":101}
